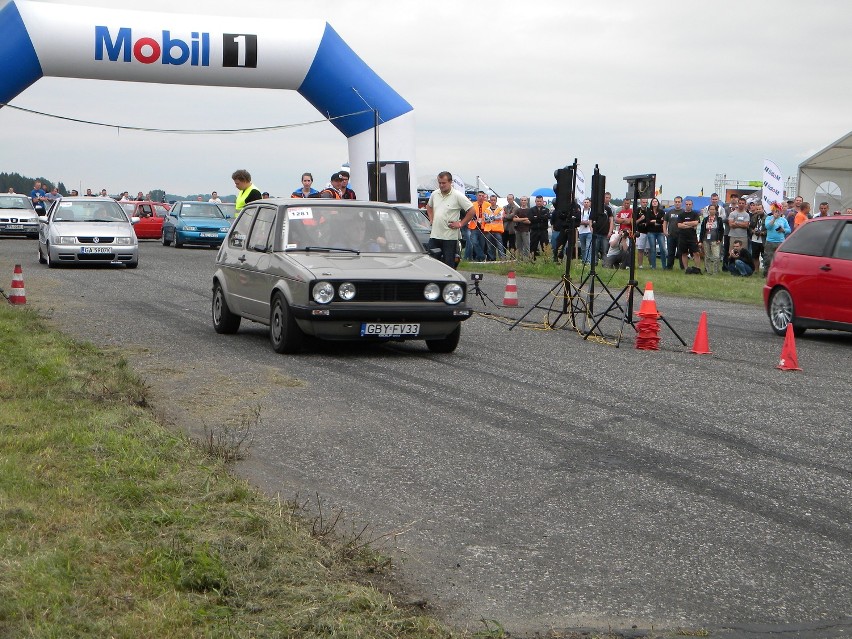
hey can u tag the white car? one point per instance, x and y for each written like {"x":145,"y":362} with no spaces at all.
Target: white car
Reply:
{"x":17,"y":215}
{"x":87,"y":230}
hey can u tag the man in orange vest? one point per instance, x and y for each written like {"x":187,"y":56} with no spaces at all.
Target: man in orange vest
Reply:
{"x":492,"y":228}
{"x":475,"y":249}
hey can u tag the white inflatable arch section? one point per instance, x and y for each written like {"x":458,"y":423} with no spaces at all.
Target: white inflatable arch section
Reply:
{"x":307,"y":56}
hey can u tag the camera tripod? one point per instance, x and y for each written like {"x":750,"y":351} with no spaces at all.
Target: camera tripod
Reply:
{"x":477,"y":290}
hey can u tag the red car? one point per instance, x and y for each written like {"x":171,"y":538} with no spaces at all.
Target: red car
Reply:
{"x":810,"y":280}
{"x":151,"y":216}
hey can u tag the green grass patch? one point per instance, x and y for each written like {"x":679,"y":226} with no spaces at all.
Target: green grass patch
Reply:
{"x":722,"y":287}
{"x":113,"y":526}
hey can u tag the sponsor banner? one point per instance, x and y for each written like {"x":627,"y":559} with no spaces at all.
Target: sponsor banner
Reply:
{"x":580,"y":188}
{"x":772,"y":186}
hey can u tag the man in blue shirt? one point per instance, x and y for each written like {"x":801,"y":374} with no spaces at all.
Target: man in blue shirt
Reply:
{"x":38,"y":196}
{"x":777,"y":228}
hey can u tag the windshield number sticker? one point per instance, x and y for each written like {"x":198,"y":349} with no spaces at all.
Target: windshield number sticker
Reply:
{"x":300,"y":213}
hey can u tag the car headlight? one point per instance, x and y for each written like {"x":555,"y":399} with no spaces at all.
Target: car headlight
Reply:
{"x":323,"y":292}
{"x":66,"y":239}
{"x":432,"y":292}
{"x":123,"y":240}
{"x":346,"y":291}
{"x":453,"y":293}
{"x":224,"y":229}
{"x":190,"y":228}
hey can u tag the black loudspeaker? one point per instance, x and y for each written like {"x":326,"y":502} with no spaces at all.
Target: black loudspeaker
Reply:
{"x":598,"y":190}
{"x":641,"y":186}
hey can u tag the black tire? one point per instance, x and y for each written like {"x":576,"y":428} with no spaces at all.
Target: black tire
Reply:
{"x":166,"y":242}
{"x":446,"y":345}
{"x":284,"y":334}
{"x":175,"y":240}
{"x":782,"y":312}
{"x":224,"y":321}
{"x":41,"y":259}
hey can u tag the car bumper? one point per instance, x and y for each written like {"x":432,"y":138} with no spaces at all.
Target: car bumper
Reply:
{"x":66,"y":254}
{"x":336,"y":322}
{"x":8,"y":228}
{"x":199,"y":237}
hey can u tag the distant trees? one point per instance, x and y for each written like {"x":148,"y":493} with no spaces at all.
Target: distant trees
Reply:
{"x":24,"y":184}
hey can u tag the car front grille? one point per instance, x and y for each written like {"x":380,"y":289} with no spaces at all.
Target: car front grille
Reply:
{"x":389,"y":292}
{"x":95,"y":240}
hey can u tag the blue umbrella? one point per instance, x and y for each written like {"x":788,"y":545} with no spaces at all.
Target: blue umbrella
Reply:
{"x":544,"y":192}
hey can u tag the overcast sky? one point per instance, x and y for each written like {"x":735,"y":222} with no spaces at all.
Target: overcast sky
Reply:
{"x":507,"y":91}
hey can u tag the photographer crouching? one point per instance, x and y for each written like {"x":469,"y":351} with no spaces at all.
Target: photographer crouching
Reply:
{"x":740,"y":261}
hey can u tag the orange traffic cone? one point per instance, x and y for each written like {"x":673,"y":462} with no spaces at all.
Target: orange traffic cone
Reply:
{"x":648,"y":308}
{"x":701,"y":345}
{"x":789,"y":359}
{"x":510,"y":297}
{"x":18,"y":294}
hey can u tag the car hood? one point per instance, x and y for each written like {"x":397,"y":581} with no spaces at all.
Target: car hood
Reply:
{"x":374,"y":266}
{"x":205,"y":221}
{"x":21,"y":214}
{"x":115,"y":229}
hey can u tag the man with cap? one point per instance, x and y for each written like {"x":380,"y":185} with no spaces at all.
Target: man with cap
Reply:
{"x":335,"y":191}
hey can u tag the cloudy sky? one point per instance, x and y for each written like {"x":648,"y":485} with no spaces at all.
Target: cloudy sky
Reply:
{"x":507,"y":91}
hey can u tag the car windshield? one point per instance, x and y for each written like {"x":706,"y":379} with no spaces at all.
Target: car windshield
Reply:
{"x":201,"y":209}
{"x":368,"y":229}
{"x":15,"y":203}
{"x":94,"y":211}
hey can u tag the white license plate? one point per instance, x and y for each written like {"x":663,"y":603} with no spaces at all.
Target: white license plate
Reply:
{"x":14,"y":227}
{"x":209,"y":235}
{"x":375,"y":329}
{"x":96,"y":249}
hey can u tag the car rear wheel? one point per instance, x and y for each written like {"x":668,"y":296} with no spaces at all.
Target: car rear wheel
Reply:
{"x":224,"y":321}
{"x":284,"y":334}
{"x":782,"y":313}
{"x":447,"y":344}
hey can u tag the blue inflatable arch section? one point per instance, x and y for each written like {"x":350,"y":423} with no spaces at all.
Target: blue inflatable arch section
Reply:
{"x":307,"y":56}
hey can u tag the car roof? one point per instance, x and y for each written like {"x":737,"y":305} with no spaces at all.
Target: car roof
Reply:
{"x":83,"y":198}
{"x":322,"y":202}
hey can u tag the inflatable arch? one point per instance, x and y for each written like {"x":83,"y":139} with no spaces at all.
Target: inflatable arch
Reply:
{"x":307,"y":56}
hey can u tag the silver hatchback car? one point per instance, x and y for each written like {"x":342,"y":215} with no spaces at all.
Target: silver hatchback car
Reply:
{"x":87,"y":230}
{"x":336,"y":270}
{"x":17,"y":215}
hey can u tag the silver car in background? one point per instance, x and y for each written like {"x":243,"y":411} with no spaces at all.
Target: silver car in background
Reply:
{"x":335,"y":270}
{"x":87,"y":230}
{"x":17,"y":215}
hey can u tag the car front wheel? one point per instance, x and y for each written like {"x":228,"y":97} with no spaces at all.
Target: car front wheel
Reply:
{"x":446,"y":345}
{"x":224,"y":321}
{"x":284,"y":334}
{"x":50,"y":262}
{"x":782,"y":312}
{"x":41,"y":259}
{"x":166,"y":241}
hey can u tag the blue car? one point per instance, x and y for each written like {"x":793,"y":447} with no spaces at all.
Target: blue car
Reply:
{"x":195,"y":223}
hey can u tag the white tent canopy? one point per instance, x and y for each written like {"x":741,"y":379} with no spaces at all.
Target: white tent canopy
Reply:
{"x":827,"y":176}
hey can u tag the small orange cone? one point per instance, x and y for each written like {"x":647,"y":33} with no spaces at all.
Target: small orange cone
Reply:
{"x":18,"y":294}
{"x":789,"y":359}
{"x":648,"y":308}
{"x":510,"y":297}
{"x":701,"y":345}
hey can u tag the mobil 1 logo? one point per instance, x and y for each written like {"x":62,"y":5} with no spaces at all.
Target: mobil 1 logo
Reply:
{"x":239,"y":50}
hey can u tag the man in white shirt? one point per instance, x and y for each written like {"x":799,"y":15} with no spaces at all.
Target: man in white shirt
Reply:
{"x":444,"y":209}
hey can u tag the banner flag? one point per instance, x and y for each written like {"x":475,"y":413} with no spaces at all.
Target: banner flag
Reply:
{"x":580,"y":190}
{"x":773,"y":185}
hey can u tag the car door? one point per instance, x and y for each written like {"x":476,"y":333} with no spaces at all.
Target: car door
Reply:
{"x":836,"y":282}
{"x":803,"y":258}
{"x":233,"y":258}
{"x":148,"y":225}
{"x":258,"y":281}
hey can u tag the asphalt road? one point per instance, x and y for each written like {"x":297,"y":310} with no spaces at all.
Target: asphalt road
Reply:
{"x":537,"y":479}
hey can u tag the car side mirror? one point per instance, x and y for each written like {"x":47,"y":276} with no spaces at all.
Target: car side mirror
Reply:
{"x":134,"y":220}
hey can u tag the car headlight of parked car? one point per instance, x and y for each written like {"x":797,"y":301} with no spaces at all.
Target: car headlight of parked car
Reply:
{"x":123,"y":240}
{"x":453,"y":293}
{"x":346,"y":291}
{"x":224,"y":229}
{"x":432,"y":292}
{"x":323,"y":292}
{"x":190,"y":228}
{"x":66,"y":239}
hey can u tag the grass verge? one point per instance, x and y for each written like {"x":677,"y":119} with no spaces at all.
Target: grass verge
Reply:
{"x":113,"y":526}
{"x":723,"y":287}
